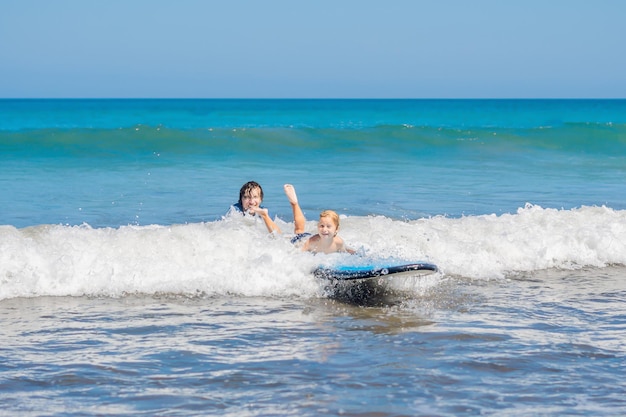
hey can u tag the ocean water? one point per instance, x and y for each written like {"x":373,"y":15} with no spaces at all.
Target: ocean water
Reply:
{"x":127,"y":289}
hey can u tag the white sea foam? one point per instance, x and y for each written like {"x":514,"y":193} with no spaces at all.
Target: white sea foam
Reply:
{"x":235,"y":256}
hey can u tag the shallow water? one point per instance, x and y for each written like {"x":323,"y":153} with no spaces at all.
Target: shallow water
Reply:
{"x":546,"y":343}
{"x":125,"y":289}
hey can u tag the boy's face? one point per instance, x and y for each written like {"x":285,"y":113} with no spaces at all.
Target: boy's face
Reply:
{"x":252,"y":198}
{"x":326,"y":227}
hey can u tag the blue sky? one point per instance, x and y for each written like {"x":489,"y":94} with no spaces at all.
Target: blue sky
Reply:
{"x":313,"y":49}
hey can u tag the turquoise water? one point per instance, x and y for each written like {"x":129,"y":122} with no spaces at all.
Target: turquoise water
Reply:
{"x":126,"y":289}
{"x":119,"y":162}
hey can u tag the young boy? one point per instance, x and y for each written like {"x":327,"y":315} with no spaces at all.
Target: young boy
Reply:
{"x":326,"y":240}
{"x":250,"y":199}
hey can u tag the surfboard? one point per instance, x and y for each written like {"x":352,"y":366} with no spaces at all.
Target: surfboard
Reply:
{"x":351,"y":272}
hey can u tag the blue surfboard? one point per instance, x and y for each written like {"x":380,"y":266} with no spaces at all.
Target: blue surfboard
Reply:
{"x":351,"y":272}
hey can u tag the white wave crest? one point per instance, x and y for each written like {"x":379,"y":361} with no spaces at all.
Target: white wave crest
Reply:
{"x":234,"y":256}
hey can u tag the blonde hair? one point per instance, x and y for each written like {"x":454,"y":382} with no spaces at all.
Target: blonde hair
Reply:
{"x":333,"y":216}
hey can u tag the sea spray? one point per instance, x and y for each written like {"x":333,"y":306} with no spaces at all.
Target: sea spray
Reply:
{"x":234,"y":256}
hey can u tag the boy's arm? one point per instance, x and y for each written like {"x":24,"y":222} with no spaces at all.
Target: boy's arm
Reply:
{"x":343,"y":248}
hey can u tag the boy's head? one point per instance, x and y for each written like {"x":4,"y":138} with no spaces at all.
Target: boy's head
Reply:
{"x":331,"y":215}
